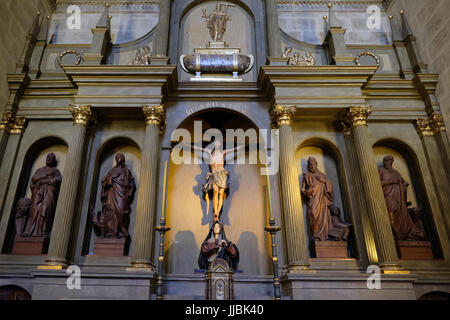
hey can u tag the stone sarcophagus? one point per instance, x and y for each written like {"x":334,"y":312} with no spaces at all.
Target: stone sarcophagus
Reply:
{"x":216,"y":61}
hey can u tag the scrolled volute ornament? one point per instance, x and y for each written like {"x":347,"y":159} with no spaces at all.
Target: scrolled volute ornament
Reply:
{"x":282,"y":114}
{"x":155,"y":115}
{"x":356,"y":116}
{"x":82,"y":114}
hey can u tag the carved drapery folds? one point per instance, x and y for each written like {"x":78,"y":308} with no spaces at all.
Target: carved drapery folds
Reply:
{"x":155,"y":115}
{"x":282,"y":115}
{"x":13,"y":124}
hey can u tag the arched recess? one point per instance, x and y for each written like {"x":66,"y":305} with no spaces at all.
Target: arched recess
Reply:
{"x":11,"y":292}
{"x":240,"y":32}
{"x":105,"y":161}
{"x":407,"y":163}
{"x":330,"y":162}
{"x":190,"y":213}
{"x":34,"y":159}
{"x":436,"y":295}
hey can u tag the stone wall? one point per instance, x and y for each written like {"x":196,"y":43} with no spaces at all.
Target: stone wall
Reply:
{"x":16,"y":18}
{"x":431,"y":26}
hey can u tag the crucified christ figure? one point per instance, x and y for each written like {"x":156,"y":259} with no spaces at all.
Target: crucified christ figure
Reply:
{"x":217,"y":179}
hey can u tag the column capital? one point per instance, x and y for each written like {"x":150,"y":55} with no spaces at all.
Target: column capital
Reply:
{"x":356,"y":116}
{"x":12,"y":124}
{"x":424,"y":127}
{"x":430,"y":126}
{"x":437,"y":122}
{"x":82,"y":114}
{"x":282,"y":114}
{"x":155,"y":114}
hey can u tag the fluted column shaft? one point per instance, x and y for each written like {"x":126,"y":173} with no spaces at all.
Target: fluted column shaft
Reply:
{"x":294,"y":228}
{"x":143,"y":234}
{"x":273,"y":29}
{"x":436,"y":154}
{"x":356,"y":118}
{"x":65,"y":207}
{"x":370,"y":247}
{"x":162,"y":40}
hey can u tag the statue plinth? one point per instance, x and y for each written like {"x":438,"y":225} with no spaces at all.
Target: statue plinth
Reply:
{"x":331,"y":249}
{"x":217,"y":44}
{"x":30,"y":246}
{"x":110,"y":247}
{"x":415,"y":250}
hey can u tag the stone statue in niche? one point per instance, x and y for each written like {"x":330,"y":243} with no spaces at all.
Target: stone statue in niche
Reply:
{"x":395,"y":194}
{"x":216,"y":245}
{"x":118,"y":189}
{"x":23,"y":206}
{"x":45,"y":184}
{"x":339,"y":230}
{"x":318,"y":191}
{"x":217,"y":179}
{"x":217,"y":21}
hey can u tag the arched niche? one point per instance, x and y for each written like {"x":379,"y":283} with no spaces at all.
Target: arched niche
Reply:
{"x":407,"y":164}
{"x":329,"y":162}
{"x":435,"y":295}
{"x":11,"y":292}
{"x":105,"y":161}
{"x":35,"y":158}
{"x":190,"y":213}
{"x":240,"y":32}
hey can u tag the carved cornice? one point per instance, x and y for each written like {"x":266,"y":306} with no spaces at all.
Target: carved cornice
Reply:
{"x":82,"y":114}
{"x":12,"y":124}
{"x":155,"y":115}
{"x":431,"y":126}
{"x":282,"y":115}
{"x":356,"y":116}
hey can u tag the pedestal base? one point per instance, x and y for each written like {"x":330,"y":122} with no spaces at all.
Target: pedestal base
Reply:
{"x":110,"y":247}
{"x":415,"y":250}
{"x":331,"y":249}
{"x":29,"y":246}
{"x":220,"y":280}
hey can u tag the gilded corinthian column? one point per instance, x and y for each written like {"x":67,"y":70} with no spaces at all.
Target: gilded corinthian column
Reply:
{"x":437,"y":123}
{"x":11,"y":132}
{"x":435,"y":154}
{"x":60,"y":235}
{"x":356,"y":119}
{"x":155,"y":116}
{"x":294,"y":229}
